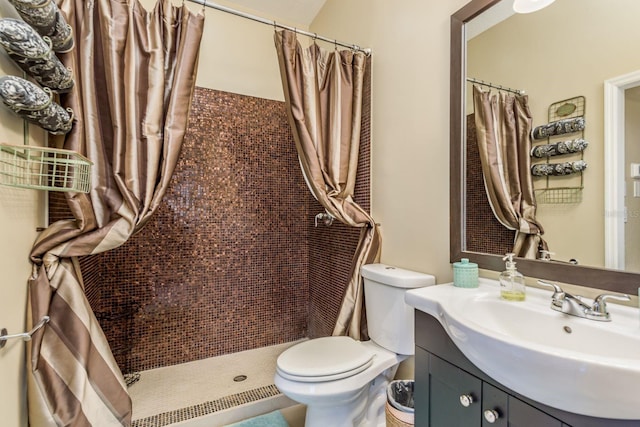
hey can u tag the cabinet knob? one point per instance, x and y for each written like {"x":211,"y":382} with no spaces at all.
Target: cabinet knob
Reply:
{"x":491,"y":415}
{"x":466,"y":400}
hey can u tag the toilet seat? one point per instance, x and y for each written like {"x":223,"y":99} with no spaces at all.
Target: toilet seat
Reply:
{"x":324,"y":359}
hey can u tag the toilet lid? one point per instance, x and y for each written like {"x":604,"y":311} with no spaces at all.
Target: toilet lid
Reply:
{"x":324,"y":359}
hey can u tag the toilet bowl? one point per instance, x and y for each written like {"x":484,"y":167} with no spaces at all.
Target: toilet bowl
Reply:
{"x":342,"y":381}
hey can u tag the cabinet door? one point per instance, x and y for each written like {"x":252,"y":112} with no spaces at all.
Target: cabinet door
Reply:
{"x":495,"y":407}
{"x":421,"y":388}
{"x":524,"y":415}
{"x":454,"y":396}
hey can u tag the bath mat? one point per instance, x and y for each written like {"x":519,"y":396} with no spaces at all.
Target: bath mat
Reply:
{"x":272,"y":419}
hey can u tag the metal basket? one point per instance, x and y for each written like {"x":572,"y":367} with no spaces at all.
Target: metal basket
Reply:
{"x":43,"y":168}
{"x":564,"y":195}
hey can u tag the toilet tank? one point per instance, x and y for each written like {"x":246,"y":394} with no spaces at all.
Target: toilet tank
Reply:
{"x":390,"y":320}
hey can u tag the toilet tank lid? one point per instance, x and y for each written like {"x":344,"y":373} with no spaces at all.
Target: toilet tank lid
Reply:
{"x":398,"y":277}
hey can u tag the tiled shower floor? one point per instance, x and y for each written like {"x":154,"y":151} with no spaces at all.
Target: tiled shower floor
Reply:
{"x":204,"y":393}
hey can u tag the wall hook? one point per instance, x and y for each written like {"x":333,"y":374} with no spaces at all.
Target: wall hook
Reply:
{"x":25,"y":336}
{"x":325,"y":217}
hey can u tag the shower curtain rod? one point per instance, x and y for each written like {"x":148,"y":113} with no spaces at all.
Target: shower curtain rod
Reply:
{"x":506,"y":89}
{"x":315,"y":36}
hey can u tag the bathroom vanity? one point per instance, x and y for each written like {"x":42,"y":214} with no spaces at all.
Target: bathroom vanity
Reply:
{"x":451,"y":391}
{"x":482,"y":360}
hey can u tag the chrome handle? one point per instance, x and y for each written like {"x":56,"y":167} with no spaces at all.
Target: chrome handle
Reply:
{"x":491,"y":415}
{"x":600,"y":306}
{"x":604,"y":297}
{"x":558,"y":297}
{"x":466,"y":400}
{"x":556,"y":289}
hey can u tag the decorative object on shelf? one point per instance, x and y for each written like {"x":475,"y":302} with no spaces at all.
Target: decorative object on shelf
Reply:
{"x":562,"y":147}
{"x":33,"y":54}
{"x":559,"y":127}
{"x":567,"y":108}
{"x":45,"y":17}
{"x":557,"y":169}
{"x":43,"y":168}
{"x":35,"y":105}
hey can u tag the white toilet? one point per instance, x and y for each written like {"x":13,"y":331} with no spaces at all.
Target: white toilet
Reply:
{"x":342,"y":381}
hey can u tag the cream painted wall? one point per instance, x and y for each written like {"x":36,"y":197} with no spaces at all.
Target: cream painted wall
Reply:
{"x":410,"y":123}
{"x":554,"y":54}
{"x":21,"y":211}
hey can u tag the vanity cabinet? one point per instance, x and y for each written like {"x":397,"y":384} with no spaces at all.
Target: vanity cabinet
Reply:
{"x":457,"y":398}
{"x":452,"y":392}
{"x":448,"y":388}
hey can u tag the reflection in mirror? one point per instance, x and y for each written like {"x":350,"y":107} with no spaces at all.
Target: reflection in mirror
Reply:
{"x":564,"y":51}
{"x":621,"y":130}
{"x":632,"y":181}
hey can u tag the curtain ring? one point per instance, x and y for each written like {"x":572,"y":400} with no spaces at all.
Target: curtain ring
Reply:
{"x":335,"y":44}
{"x":204,"y":5}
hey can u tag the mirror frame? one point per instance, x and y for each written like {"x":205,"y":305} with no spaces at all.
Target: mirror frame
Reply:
{"x":600,"y":278}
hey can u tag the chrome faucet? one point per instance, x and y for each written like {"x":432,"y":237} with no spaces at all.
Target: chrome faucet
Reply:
{"x":575,"y":306}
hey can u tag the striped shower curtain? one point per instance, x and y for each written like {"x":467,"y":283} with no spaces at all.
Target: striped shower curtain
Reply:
{"x":503,"y":129}
{"x":135,"y":73}
{"x":323,"y":93}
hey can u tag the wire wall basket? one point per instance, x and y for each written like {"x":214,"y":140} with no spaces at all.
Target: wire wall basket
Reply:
{"x":559,"y":195}
{"x":43,"y":168}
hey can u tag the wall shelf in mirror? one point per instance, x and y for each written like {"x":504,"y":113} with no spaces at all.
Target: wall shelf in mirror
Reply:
{"x":568,"y":146}
{"x":559,"y":195}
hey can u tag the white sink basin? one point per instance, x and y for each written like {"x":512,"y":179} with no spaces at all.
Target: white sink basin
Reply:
{"x":570,"y":363}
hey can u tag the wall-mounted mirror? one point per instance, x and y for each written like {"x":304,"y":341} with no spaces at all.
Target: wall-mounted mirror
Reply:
{"x":572,"y":48}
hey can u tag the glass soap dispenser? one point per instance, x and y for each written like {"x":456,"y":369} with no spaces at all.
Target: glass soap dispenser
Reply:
{"x":512,"y":286}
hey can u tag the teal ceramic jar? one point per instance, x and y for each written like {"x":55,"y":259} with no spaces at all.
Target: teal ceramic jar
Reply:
{"x":465,"y":274}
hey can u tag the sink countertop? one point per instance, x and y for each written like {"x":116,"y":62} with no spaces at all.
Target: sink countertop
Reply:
{"x":574,"y":364}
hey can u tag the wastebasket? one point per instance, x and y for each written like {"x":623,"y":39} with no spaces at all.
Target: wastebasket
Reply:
{"x":399,"y":408}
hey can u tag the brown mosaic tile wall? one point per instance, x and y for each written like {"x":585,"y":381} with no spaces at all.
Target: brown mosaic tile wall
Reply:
{"x":484,"y":231}
{"x":330,"y":253}
{"x":231,"y":260}
{"x":223,"y":265}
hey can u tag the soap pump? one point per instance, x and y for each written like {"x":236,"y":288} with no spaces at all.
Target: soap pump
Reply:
{"x":512,"y":287}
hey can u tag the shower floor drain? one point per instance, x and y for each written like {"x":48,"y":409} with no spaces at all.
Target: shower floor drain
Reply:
{"x":240,"y":378}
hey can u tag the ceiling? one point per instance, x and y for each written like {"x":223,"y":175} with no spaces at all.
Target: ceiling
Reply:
{"x":293,"y":12}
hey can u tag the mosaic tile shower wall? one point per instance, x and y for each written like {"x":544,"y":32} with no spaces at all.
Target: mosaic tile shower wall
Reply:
{"x":484,"y":232}
{"x":222,"y":267}
{"x":231,"y":260}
